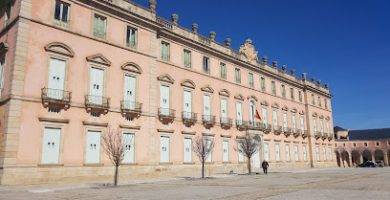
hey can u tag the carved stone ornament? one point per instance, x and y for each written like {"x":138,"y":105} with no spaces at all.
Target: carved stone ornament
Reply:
{"x":188,"y":83}
{"x":249,"y":51}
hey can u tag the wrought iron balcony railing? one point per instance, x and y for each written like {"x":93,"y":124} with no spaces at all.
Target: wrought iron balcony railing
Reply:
{"x":317,"y":134}
{"x":97,"y":103}
{"x":189,"y":118}
{"x":226,"y":122}
{"x":131,"y":108}
{"x":254,"y":125}
{"x":56,"y":98}
{"x":208,"y":120}
{"x":278,"y":130}
{"x":266,"y":128}
{"x":241,"y":124}
{"x":287,"y":131}
{"x":166,"y":114}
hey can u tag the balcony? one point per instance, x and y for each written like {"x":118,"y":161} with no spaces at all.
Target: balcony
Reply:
{"x":166,"y":115}
{"x":131,"y":108}
{"x":266,"y":128}
{"x":97,"y":104}
{"x":189,"y":118}
{"x":287,"y":131}
{"x":278,"y":130}
{"x":241,"y":125}
{"x":324,"y":136}
{"x":208,"y":121}
{"x":330,"y":136}
{"x":317,"y":134}
{"x":56,"y":98}
{"x":226,"y":123}
{"x":252,"y":125}
{"x":296,"y":132}
{"x":305,"y":134}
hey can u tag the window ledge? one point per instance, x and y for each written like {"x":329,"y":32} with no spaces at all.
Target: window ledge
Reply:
{"x":50,"y":165}
{"x":93,"y":164}
{"x":188,"y":163}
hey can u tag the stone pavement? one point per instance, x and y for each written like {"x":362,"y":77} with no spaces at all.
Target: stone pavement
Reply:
{"x":340,"y":183}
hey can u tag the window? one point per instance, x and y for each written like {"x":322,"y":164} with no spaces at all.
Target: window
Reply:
{"x":165,"y":51}
{"x":56,"y":79}
{"x":292,"y":93}
{"x":300,"y":96}
{"x":208,"y":146}
{"x":313,"y":101}
{"x":93,"y":147}
{"x":354,"y":144}
{"x":296,"y":153}
{"x":277,"y":152}
{"x":96,"y":85}
{"x":129,"y":147}
{"x":324,"y":152}
{"x":285,"y":121}
{"x":165,"y":99}
{"x":302,"y":124}
{"x":283,"y":91}
{"x":275,"y":118}
{"x":187,"y":58}
{"x":61,"y":13}
{"x":319,"y":101}
{"x":187,"y":150}
{"x":164,"y":149}
{"x":317,"y":153}
{"x":7,"y":14}
{"x":264,"y":116}
{"x":131,"y":37}
{"x":99,"y":26}
{"x":322,"y":126}
{"x":237,"y":75}
{"x":266,"y":151}
{"x":327,"y":126}
{"x":225,"y":151}
{"x":365,"y":144}
{"x":294,"y":122}
{"x":222,"y":70}
{"x":287,"y":151}
{"x":239,"y":112}
{"x":224,"y":110}
{"x":187,"y":104}
{"x":250,"y":79}
{"x":262,"y":84}
{"x":2,"y":71}
{"x":326,"y":103}
{"x":314,"y":125}
{"x":51,"y":145}
{"x":377,"y":144}
{"x":304,"y":152}
{"x":330,"y":153}
{"x":206,"y":65}
{"x":273,"y":87}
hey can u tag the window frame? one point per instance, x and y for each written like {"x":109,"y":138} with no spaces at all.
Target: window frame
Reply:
{"x":189,"y":64}
{"x":251,"y":81}
{"x":237,"y":75}
{"x":128,"y":44}
{"x":222,"y":71}
{"x":60,"y":21}
{"x":165,"y":56}
{"x":94,"y":29}
{"x":206,"y":64}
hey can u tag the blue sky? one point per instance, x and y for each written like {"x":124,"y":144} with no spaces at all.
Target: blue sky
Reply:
{"x":345,"y":43}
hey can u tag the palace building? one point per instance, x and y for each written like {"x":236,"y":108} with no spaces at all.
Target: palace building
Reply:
{"x":73,"y":69}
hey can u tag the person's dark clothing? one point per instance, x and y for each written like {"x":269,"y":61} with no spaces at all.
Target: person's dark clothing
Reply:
{"x":265,"y":165}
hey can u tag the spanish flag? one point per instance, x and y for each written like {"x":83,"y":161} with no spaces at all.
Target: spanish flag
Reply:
{"x":258,"y":116}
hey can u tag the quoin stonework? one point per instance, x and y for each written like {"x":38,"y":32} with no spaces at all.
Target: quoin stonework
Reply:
{"x":73,"y":69}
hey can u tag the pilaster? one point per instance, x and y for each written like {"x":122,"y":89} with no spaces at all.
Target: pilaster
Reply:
{"x":310,"y":137}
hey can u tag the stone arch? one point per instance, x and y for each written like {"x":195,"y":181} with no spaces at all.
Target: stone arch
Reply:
{"x":207,"y":88}
{"x":188,"y":83}
{"x":252,"y":97}
{"x":239,"y":97}
{"x":275,"y":105}
{"x":59,"y":48}
{"x":224,"y":92}
{"x":379,"y":155}
{"x":132,"y":67}
{"x":264,"y":103}
{"x":285,"y":108}
{"x":345,"y":159}
{"x":355,"y":154}
{"x":366,"y":155}
{"x":293,"y":110}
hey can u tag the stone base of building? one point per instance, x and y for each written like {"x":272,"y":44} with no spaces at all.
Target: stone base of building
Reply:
{"x":127,"y":173}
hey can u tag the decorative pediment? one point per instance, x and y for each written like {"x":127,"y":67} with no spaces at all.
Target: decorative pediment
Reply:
{"x":224,"y":92}
{"x":275,"y":105}
{"x":294,"y":110}
{"x":99,"y":59}
{"x":327,"y":118}
{"x":166,"y":78}
{"x":285,"y":108}
{"x":321,"y":117}
{"x":188,"y":83}
{"x":59,"y":48}
{"x":252,"y":97}
{"x":239,"y":97}
{"x":302,"y":112}
{"x":264,"y":103}
{"x":207,"y":88}
{"x":315,"y":114}
{"x":3,"y":47}
{"x":249,"y":51}
{"x":132,"y":67}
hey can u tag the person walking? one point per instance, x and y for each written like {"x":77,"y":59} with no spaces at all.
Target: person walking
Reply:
{"x":265,"y":166}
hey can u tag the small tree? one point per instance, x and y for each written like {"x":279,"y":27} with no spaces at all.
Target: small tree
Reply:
{"x":113,"y":146}
{"x":248,"y":146}
{"x":203,"y":147}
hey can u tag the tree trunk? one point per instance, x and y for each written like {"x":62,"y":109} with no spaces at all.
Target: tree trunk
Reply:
{"x":116,"y":175}
{"x":203,"y":168}
{"x":249,"y":166}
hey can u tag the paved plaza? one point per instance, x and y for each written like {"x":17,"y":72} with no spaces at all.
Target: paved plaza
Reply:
{"x":340,"y":183}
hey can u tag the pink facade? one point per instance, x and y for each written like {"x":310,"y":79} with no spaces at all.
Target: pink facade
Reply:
{"x":32,"y":42}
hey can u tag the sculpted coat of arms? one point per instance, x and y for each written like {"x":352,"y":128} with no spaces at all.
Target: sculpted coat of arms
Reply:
{"x":249,"y":51}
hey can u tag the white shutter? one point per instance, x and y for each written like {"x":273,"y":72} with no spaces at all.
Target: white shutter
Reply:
{"x":206,"y":105}
{"x":164,"y":151}
{"x":51,"y":146}
{"x":129,"y":145}
{"x":240,"y":155}
{"x":304,"y":153}
{"x":187,"y":150}
{"x":317,"y":153}
{"x":287,"y":150}
{"x":96,"y":85}
{"x":285,"y":120}
{"x":302,"y":124}
{"x":294,"y":121}
{"x":264,"y":115}
{"x":224,"y":108}
{"x":93,"y":147}
{"x":256,"y":160}
{"x":209,"y":157}
{"x":164,"y":99}
{"x":239,"y":111}
{"x":225,"y":150}
{"x":275,"y":118}
{"x":296,"y":153}
{"x":56,"y":78}
{"x":187,"y":103}
{"x":130,"y":91}
{"x":277,"y":152}
{"x":266,"y":151}
{"x":324,"y":152}
{"x":252,"y":110}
